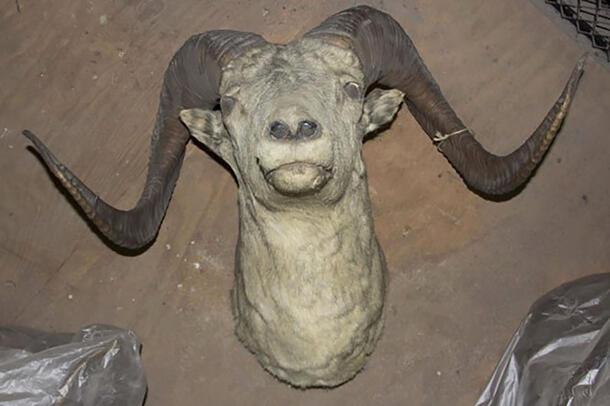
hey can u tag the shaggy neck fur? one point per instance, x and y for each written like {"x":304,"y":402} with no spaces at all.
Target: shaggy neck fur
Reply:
{"x":310,"y":282}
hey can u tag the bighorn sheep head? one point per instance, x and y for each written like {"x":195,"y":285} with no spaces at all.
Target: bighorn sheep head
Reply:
{"x":292,"y":120}
{"x":310,"y":276}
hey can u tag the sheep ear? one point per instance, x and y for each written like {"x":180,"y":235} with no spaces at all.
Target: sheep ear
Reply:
{"x":379,"y":108}
{"x":206,"y":127}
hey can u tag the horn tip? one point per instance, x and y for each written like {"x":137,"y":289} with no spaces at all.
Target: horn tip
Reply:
{"x":34,"y":139}
{"x":577,"y":72}
{"x":582,"y":62}
{"x":28,"y":134}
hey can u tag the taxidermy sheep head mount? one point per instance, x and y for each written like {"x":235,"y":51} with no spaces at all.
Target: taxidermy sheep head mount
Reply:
{"x":289,"y":119}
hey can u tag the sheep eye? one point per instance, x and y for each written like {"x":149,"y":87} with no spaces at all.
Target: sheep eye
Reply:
{"x":352,"y":89}
{"x":226,"y":104}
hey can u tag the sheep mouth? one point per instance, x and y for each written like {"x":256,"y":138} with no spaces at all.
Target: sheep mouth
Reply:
{"x":298,"y":178}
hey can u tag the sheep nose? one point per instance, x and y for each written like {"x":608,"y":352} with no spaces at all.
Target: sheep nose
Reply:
{"x":306,"y":129}
{"x":279,"y":131}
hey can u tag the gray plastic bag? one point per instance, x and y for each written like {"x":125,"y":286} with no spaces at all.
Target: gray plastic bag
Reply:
{"x":560,"y":355}
{"x":99,"y":365}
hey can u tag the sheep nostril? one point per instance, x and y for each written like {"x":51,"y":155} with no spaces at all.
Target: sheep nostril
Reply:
{"x":307,"y":129}
{"x":279,"y":130}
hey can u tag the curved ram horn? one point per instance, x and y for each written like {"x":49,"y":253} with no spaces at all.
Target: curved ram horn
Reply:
{"x":389,"y":58}
{"x":191,"y":80}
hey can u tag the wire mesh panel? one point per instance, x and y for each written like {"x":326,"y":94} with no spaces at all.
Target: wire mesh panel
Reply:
{"x":590,"y":17}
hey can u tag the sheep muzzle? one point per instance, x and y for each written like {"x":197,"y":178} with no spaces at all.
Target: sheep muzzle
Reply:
{"x":298,"y":178}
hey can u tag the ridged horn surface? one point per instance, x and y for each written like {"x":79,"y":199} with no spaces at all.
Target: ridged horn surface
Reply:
{"x":191,"y":80}
{"x":389,"y":58}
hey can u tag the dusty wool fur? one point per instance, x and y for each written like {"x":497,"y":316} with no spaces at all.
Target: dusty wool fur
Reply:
{"x":310,"y":276}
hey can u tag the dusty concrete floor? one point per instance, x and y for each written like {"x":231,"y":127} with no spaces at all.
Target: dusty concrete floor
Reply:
{"x":85,"y":76}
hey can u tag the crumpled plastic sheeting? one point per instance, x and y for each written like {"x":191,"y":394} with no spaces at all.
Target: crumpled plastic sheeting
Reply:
{"x":561,"y":353}
{"x":99,"y":365}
